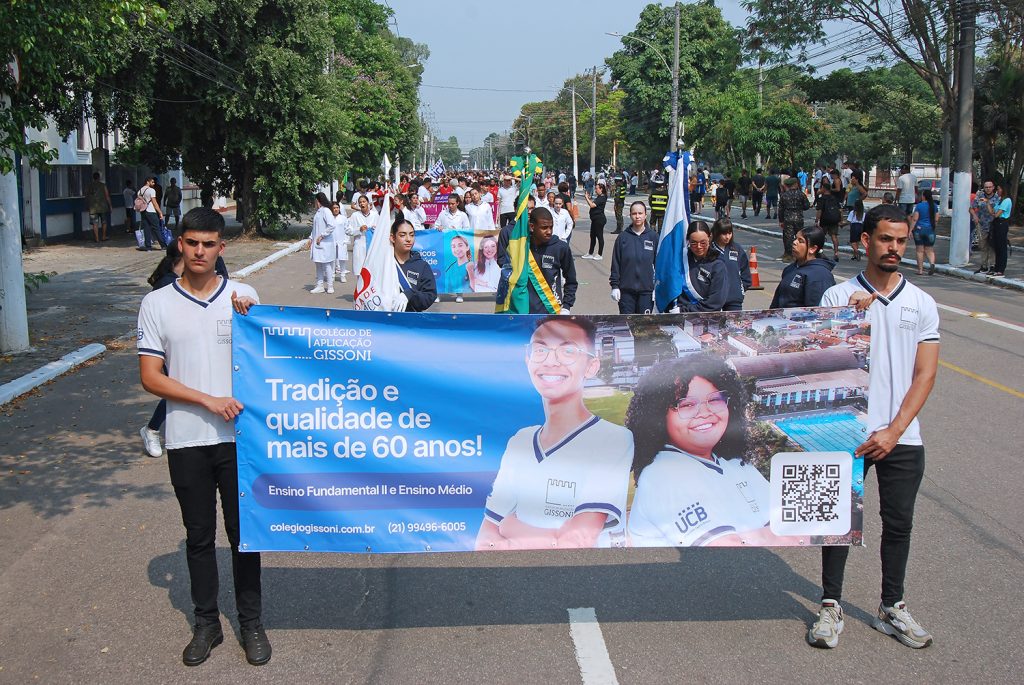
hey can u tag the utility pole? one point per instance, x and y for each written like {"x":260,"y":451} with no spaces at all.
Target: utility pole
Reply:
{"x":593,"y":129}
{"x":947,"y":130}
{"x":13,"y":308}
{"x":575,"y":151}
{"x":760,"y":97}
{"x":673,"y":139}
{"x":960,"y":241}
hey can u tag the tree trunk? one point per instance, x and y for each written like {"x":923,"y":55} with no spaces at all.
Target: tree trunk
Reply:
{"x":1015,"y":172}
{"x":246,"y":202}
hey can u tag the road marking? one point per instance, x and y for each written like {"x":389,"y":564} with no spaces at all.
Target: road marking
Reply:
{"x":591,"y":653}
{"x":982,"y":379}
{"x":981,"y":316}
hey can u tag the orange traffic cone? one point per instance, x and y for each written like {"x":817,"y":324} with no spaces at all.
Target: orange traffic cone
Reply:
{"x":755,"y":278}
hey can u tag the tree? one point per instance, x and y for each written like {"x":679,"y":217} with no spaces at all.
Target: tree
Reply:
{"x":708,"y":54}
{"x":450,"y":152}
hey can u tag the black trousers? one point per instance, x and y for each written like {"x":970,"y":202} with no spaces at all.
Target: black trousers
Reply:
{"x":899,"y":477}
{"x":755,"y":200}
{"x":505,"y":218}
{"x":999,"y":236}
{"x":636,"y":302}
{"x":597,"y":235}
{"x":197,"y":474}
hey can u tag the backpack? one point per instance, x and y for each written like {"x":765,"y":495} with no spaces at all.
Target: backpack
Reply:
{"x":830,"y":211}
{"x":140,"y":202}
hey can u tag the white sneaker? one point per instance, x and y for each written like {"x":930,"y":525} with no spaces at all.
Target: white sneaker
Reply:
{"x":318,"y":289}
{"x":597,"y":257}
{"x":151,"y":441}
{"x":437,"y":299}
{"x":458,"y":298}
{"x":330,"y":290}
{"x":344,"y":278}
{"x":825,"y":631}
{"x":897,"y":621}
{"x":587,"y":256}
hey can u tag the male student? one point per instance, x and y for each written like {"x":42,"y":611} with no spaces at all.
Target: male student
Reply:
{"x":563,"y":483}
{"x":904,"y":358}
{"x":186,"y":327}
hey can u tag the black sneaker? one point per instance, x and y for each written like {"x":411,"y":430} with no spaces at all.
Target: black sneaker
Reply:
{"x":204,"y":639}
{"x":256,"y":645}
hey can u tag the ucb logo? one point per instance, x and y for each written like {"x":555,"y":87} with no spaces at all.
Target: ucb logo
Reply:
{"x":691,"y":517}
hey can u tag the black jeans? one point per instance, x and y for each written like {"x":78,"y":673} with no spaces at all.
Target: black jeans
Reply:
{"x":999,"y":236}
{"x":755,"y":201}
{"x":597,"y":235}
{"x":159,"y":416}
{"x":899,"y":477}
{"x":151,"y":228}
{"x":636,"y":302}
{"x":505,"y":218}
{"x":197,"y":474}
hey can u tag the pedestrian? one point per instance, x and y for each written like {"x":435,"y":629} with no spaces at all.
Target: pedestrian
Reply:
{"x":829,"y":215}
{"x":757,"y":189}
{"x":172,"y":203}
{"x":906,"y":189}
{"x":634,"y":180}
{"x":564,"y":224}
{"x":414,"y":275}
{"x":633,"y":260}
{"x":743,"y":186}
{"x":322,"y":248}
{"x":904,"y":358}
{"x":805,"y":280}
{"x":707,"y":274}
{"x":792,"y":205}
{"x":508,"y":195}
{"x":481,"y":215}
{"x":341,"y":241}
{"x":659,"y":202}
{"x":856,"y":220}
{"x":922,"y":227}
{"x":737,"y":266}
{"x":772,"y":185}
{"x":98,"y":198}
{"x":597,"y":222}
{"x":359,"y":223}
{"x":128,"y":194}
{"x":721,"y":200}
{"x":187,"y":329}
{"x":552,"y":256}
{"x":453,"y":217}
{"x":152,"y":215}
{"x":983,"y":211}
{"x":620,"y":202}
{"x":730,"y":186}
{"x":999,"y":236}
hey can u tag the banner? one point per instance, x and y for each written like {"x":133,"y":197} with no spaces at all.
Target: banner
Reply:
{"x":395,"y":432}
{"x":462,"y":261}
{"x":440,"y":203}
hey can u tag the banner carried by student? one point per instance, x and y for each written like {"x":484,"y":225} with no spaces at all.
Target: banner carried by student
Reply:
{"x":392,"y":432}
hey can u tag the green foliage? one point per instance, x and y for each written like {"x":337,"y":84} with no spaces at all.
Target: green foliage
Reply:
{"x":33,"y":280}
{"x":449,"y":152}
{"x":709,"y":55}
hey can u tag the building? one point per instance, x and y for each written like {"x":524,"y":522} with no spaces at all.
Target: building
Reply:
{"x":804,"y":381}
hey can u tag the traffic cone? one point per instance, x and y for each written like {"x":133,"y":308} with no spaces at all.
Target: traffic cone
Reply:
{"x":755,"y":278}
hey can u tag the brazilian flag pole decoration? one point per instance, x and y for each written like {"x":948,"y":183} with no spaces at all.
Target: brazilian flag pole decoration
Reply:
{"x":525,"y":270}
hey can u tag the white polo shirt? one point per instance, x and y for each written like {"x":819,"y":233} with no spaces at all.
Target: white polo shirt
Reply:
{"x":686,"y":501}
{"x":588,"y":470}
{"x":481,"y":216}
{"x":507,"y":199}
{"x":193,"y":337}
{"x":449,"y":220}
{"x":899,"y":322}
{"x":562,"y":224}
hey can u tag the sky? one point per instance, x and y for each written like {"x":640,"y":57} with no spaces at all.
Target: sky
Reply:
{"x":472,"y":47}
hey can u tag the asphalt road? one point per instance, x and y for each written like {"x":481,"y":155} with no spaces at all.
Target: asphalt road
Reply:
{"x":93,"y":585}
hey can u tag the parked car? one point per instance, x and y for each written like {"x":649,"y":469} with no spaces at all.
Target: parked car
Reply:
{"x":715,"y":177}
{"x":935,"y":185}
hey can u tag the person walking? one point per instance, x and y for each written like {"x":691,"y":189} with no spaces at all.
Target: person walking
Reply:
{"x":737,"y":266}
{"x":152,"y":215}
{"x":172,"y":203}
{"x":1000,"y":233}
{"x":983,"y":210}
{"x":633,"y":259}
{"x":792,"y":205}
{"x":597,"y":221}
{"x":620,"y":202}
{"x":99,"y":207}
{"x":659,"y":202}
{"x":323,"y":250}
{"x":805,"y":280}
{"x":922,"y":227}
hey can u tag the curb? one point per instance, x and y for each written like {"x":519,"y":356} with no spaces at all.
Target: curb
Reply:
{"x":46,"y":373}
{"x":944,"y":269}
{"x":266,"y":261}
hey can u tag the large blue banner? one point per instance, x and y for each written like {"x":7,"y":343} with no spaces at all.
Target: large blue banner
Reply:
{"x":399,"y":432}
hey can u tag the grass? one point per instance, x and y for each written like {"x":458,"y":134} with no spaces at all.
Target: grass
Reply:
{"x":611,"y":408}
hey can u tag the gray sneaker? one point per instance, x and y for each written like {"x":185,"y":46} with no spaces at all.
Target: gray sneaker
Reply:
{"x":897,"y":621}
{"x":825,"y":631}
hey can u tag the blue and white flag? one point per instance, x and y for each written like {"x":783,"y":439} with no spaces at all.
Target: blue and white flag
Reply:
{"x":671,"y":268}
{"x":437,"y":171}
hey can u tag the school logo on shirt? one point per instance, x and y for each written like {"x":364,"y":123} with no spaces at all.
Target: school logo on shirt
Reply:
{"x":649,"y":245}
{"x":691,"y":517}
{"x":223,"y":331}
{"x":703,"y":274}
{"x":908,"y":318}
{"x":412,"y":276}
{"x":797,"y":282}
{"x":734,"y":255}
{"x":560,"y":498}
{"x":547,"y":261}
{"x":746,"y":492}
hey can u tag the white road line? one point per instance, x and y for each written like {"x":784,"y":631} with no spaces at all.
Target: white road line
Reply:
{"x":591,"y":653}
{"x":986,"y":319}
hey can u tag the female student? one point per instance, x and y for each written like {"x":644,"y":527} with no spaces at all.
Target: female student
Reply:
{"x":807,"y":278}
{"x":737,"y":267}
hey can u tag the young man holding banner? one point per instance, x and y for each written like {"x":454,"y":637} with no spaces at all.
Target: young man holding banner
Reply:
{"x":562,"y":484}
{"x":904,"y":358}
{"x":187,"y":328}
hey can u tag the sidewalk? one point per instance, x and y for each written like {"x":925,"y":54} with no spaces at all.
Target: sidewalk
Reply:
{"x":95,"y":293}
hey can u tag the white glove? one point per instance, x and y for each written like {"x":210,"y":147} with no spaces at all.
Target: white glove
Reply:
{"x":674,"y":310}
{"x":616,"y":294}
{"x":400,"y":302}
{"x":565,"y":310}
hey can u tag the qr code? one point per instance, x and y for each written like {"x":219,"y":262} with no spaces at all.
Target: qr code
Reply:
{"x":811,"y":493}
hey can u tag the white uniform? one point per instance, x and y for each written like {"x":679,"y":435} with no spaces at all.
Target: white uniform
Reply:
{"x":323,"y":228}
{"x":507,"y":198}
{"x":563,"y":223}
{"x":357,"y":220}
{"x":481,"y":216}
{"x":899,"y":322}
{"x":449,"y":220}
{"x":425,"y":195}
{"x":587,"y":471}
{"x":193,"y":337}
{"x":416,"y":217}
{"x":686,"y":501}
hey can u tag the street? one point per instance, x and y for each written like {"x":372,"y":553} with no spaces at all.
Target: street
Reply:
{"x":94,"y":588}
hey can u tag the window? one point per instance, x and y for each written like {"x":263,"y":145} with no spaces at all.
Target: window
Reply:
{"x":65,"y":180}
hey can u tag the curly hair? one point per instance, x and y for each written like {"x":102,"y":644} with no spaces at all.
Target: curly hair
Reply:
{"x":667,"y":383}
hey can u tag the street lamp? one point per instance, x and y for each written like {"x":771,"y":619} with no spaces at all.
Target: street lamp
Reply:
{"x":674,"y":134}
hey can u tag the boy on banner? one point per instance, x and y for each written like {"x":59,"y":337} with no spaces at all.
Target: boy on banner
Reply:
{"x":562,"y":484}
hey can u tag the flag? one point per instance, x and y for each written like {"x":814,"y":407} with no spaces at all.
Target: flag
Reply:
{"x":437,"y":171}
{"x":377,"y":284}
{"x":671,"y":268}
{"x":525,"y":271}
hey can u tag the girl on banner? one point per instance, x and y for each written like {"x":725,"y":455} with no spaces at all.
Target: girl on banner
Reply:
{"x":456,"y":272}
{"x":693,"y":487}
{"x":486,"y":273}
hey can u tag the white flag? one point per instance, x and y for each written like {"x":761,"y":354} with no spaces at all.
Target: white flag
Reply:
{"x":377,"y":284}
